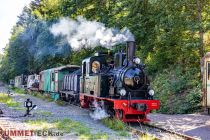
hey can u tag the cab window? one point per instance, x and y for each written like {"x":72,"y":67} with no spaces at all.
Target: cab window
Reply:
{"x":96,"y":66}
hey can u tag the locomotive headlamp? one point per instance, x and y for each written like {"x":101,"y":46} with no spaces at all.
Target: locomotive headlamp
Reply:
{"x":151,"y":92}
{"x":137,"y":60}
{"x":122,"y":92}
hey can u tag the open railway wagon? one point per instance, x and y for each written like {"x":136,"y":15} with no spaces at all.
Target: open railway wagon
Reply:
{"x":205,"y":70}
{"x":21,"y":81}
{"x":71,"y":87}
{"x":33,"y":82}
{"x":51,"y":79}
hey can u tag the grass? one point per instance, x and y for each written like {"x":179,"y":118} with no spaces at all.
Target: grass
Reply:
{"x":40,"y":124}
{"x":81,"y":130}
{"x":48,"y":98}
{"x":44,"y":113}
{"x":42,"y":96}
{"x":116,"y":125}
{"x":122,"y":128}
{"x":60,"y":103}
{"x":68,"y":126}
{"x":8,"y":101}
{"x":146,"y":137}
{"x":19,"y":90}
{"x":19,"y":108}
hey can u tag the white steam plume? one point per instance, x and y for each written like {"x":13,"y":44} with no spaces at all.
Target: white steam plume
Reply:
{"x":83,"y":33}
{"x":99,"y":112}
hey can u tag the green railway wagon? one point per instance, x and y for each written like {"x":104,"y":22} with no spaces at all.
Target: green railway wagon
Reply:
{"x":51,"y":79}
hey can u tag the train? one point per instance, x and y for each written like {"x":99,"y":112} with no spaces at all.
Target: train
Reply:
{"x":115,"y":82}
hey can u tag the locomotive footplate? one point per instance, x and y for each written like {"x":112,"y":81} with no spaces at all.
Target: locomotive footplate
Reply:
{"x":125,"y":110}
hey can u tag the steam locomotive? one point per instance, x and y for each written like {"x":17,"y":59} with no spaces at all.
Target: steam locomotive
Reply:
{"x":116,"y":83}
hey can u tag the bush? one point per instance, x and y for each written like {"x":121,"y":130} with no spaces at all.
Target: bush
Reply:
{"x":178,"y":90}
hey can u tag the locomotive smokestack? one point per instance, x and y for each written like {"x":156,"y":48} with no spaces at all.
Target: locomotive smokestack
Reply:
{"x":131,"y":48}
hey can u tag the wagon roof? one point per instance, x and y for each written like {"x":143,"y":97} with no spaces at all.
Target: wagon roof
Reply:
{"x":62,"y":67}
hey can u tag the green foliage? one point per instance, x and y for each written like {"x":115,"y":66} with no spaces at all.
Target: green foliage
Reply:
{"x":178,"y":90}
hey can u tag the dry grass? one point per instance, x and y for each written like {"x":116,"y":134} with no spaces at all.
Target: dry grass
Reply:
{"x":4,"y":98}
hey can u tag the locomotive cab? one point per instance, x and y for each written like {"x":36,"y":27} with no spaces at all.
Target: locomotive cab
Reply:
{"x":93,"y":81}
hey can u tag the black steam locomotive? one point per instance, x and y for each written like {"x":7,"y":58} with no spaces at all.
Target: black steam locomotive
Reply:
{"x":117,"y":83}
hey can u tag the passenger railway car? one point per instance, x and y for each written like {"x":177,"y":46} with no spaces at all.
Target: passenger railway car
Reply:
{"x":205,"y":70}
{"x":21,"y":81}
{"x":51,"y":79}
{"x":33,"y":82}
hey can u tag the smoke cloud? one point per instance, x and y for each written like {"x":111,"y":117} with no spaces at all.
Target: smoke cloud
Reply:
{"x":83,"y":33}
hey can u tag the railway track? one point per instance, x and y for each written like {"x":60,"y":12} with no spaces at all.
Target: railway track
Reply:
{"x":169,"y":133}
{"x":172,"y":135}
{"x":158,"y":133}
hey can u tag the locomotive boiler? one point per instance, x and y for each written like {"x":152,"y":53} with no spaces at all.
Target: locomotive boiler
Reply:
{"x":127,"y":78}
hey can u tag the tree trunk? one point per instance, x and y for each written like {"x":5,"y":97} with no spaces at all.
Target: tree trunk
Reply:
{"x":201,"y":32}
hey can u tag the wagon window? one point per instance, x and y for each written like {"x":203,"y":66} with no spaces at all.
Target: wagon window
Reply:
{"x":208,"y":71}
{"x":53,"y":76}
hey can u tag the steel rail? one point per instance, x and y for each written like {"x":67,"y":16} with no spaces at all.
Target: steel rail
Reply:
{"x":184,"y":136}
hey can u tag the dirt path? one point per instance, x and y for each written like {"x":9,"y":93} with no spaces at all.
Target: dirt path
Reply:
{"x":50,"y":111}
{"x":195,"y":125}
